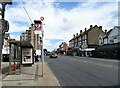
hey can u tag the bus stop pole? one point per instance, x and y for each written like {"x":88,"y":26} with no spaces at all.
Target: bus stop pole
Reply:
{"x":42,"y":55}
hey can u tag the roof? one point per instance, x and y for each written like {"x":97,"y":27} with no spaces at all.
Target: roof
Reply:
{"x":117,"y":27}
{"x":85,"y":32}
{"x":71,"y":39}
{"x":107,"y":34}
{"x":21,"y":43}
{"x":13,"y":41}
{"x":26,"y":44}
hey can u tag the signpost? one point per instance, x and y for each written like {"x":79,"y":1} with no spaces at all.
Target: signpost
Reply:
{"x":39,"y":30}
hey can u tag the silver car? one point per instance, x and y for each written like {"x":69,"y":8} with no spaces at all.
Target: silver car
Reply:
{"x":53,"y":55}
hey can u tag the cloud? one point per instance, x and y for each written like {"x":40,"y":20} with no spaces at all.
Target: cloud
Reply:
{"x":61,"y":23}
{"x":17,"y":37}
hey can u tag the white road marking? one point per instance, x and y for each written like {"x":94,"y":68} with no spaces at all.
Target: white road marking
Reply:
{"x":85,"y":61}
{"x":100,"y":64}
{"x":105,"y":59}
{"x":110,"y":65}
{"x":103,"y":65}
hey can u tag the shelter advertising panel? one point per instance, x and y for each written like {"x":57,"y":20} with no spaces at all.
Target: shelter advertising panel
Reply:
{"x":27,"y":56}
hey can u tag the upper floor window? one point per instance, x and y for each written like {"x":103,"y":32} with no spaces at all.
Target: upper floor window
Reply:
{"x":5,"y":42}
{"x":85,"y":36}
{"x":80,"y":39}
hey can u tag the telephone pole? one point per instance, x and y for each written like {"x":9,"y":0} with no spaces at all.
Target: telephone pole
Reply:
{"x":4,"y":26}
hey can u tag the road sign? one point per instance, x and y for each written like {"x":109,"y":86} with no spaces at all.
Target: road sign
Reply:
{"x":38,"y":26}
{"x":41,"y":18}
{"x":38,"y":31}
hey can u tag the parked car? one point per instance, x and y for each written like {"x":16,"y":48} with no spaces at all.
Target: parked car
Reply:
{"x":48,"y":53}
{"x":53,"y":55}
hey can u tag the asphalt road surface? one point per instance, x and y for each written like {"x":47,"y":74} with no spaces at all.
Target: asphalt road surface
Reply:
{"x":84,"y":71}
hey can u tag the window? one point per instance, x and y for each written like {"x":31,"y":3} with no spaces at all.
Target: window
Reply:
{"x":85,"y":36}
{"x":111,"y":41}
{"x":115,"y":37}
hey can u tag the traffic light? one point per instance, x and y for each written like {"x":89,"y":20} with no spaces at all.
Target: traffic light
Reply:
{"x":4,"y":24}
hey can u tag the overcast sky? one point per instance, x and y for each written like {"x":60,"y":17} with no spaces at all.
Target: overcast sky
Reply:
{"x":63,"y":18}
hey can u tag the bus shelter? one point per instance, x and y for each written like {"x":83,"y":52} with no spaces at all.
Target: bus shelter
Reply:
{"x":14,"y":57}
{"x":27,"y":55}
{"x":21,"y":53}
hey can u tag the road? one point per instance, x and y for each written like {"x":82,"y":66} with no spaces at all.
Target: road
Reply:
{"x":83,"y":71}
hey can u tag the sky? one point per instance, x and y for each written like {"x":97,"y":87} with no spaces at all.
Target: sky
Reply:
{"x":63,"y":18}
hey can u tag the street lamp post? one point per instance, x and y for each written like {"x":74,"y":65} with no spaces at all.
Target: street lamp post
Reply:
{"x":42,"y":54}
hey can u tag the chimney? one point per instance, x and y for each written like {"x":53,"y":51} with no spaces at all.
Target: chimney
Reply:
{"x":74,"y":36}
{"x":100,"y":27}
{"x":85,"y":29}
{"x":29,"y":27}
{"x":90,"y":26}
{"x":105,"y":30}
{"x":95,"y":26}
{"x":80,"y":31}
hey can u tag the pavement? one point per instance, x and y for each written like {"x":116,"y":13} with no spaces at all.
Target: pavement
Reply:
{"x":32,"y":76}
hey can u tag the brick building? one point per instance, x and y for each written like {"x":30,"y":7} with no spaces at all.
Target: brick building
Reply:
{"x":63,"y":48}
{"x":83,"y":43}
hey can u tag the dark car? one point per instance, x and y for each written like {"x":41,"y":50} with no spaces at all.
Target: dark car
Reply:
{"x":48,"y":53}
{"x":53,"y":55}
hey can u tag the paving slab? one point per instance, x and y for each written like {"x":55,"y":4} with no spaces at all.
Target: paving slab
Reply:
{"x":32,"y":76}
{"x":48,"y":78}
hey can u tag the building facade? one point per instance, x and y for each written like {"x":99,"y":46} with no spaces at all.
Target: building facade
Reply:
{"x":109,"y":45}
{"x":84,"y":42}
{"x":63,"y":48}
{"x":34,"y":39}
{"x":111,"y":37}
